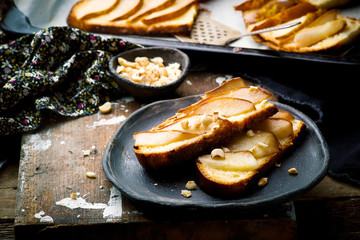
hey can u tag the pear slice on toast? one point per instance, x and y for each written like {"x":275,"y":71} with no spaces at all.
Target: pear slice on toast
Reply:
{"x":265,"y":147}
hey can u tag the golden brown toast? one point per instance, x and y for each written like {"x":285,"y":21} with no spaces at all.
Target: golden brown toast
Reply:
{"x":320,"y":28}
{"x":248,"y":156}
{"x":179,"y":145}
{"x":134,"y":16}
{"x":212,"y":121}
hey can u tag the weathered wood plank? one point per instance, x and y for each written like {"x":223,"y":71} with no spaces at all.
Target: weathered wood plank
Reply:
{"x":8,"y":188}
{"x":265,"y":229}
{"x":328,"y":219}
{"x":330,"y":188}
{"x":7,"y":230}
{"x":54,"y":162}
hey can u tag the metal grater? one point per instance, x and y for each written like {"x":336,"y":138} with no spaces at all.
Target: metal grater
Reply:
{"x":207,"y":31}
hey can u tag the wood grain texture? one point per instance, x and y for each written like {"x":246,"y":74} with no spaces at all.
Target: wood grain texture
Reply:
{"x":54,"y":164}
{"x":8,"y":188}
{"x":328,"y":219}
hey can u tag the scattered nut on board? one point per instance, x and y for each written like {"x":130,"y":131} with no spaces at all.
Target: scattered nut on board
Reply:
{"x":73,"y":196}
{"x":105,"y":108}
{"x":91,"y":174}
{"x":86,"y":153}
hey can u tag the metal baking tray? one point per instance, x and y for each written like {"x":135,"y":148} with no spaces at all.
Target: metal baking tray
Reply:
{"x":27,"y":17}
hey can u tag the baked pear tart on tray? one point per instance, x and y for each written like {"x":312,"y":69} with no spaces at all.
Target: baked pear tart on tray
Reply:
{"x":320,"y":26}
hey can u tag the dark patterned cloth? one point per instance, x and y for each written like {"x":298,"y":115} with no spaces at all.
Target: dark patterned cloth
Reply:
{"x":61,"y":69}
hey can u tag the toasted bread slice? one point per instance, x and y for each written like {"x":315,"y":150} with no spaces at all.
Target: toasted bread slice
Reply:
{"x":179,"y":148}
{"x":267,"y":142}
{"x":242,"y":106}
{"x":215,"y":119}
{"x":127,"y":17}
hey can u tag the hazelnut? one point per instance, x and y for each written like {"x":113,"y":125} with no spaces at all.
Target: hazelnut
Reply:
{"x":217,"y":152}
{"x":250,"y":133}
{"x":73,"y":196}
{"x":90,"y":174}
{"x":191,"y":185}
{"x":263,"y":181}
{"x":186,"y":193}
{"x":185,"y":124}
{"x":293,"y":171}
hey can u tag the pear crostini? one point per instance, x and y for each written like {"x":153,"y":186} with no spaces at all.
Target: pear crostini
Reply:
{"x":202,"y":126}
{"x":247,"y":156}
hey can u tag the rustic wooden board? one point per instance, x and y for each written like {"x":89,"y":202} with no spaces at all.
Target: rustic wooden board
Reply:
{"x":329,"y":211}
{"x":8,"y":183}
{"x":330,"y":188}
{"x":53,"y":166}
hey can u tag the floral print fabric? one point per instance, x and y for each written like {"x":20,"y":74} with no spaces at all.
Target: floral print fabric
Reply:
{"x":61,"y":69}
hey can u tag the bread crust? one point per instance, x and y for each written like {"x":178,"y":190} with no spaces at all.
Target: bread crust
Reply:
{"x":123,"y":29}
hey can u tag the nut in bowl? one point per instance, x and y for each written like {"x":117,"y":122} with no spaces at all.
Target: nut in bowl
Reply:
{"x":150,"y":73}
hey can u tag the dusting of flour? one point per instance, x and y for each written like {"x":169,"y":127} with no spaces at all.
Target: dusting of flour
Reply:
{"x":39,"y":144}
{"x":112,"y":210}
{"x":44,"y":219}
{"x":111,"y":121}
{"x":79,"y":203}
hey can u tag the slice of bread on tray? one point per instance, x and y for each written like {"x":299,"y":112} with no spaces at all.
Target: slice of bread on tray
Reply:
{"x":212,"y":121}
{"x":242,"y":161}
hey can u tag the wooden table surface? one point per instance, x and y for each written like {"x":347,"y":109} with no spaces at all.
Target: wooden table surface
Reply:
{"x":53,"y":165}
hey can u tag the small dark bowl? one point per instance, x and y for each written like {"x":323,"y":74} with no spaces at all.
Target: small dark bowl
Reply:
{"x":143,"y":92}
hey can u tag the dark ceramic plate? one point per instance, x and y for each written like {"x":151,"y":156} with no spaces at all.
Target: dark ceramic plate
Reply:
{"x":310,"y":158}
